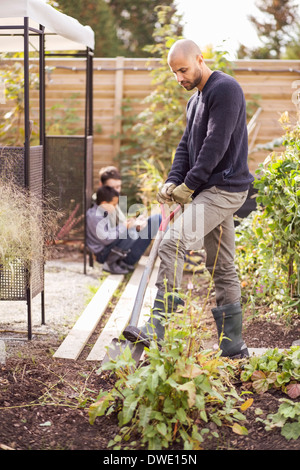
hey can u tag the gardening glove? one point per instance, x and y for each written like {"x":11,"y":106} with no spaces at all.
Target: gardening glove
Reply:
{"x":164,"y":193}
{"x":182,"y":194}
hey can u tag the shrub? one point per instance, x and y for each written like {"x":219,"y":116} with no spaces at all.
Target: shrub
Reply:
{"x":26,"y":223}
{"x":268,"y":241}
{"x":154,"y":134}
{"x":179,"y":394}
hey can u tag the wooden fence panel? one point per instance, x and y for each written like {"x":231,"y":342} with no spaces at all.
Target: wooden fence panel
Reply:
{"x":270,"y":83}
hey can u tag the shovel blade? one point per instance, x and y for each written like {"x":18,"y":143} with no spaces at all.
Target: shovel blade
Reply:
{"x":137,"y":350}
{"x":115,"y":348}
{"x":118,"y":346}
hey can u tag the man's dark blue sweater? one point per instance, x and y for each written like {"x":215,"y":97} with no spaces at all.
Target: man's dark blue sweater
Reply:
{"x":213,"y":150}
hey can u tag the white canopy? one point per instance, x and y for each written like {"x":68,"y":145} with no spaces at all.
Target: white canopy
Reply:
{"x":61,"y":31}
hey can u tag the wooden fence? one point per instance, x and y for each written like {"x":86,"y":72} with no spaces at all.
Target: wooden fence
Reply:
{"x":272,"y":84}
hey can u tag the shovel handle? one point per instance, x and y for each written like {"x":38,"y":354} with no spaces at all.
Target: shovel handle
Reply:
{"x":134,"y":318}
{"x":165,"y":220}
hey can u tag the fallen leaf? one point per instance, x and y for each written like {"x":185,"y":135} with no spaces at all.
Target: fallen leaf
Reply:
{"x":247,"y":404}
{"x":238,"y":429}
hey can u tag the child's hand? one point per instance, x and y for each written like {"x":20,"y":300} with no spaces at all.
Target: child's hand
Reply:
{"x":130,"y":223}
{"x":109,"y":208}
{"x":137,"y":223}
{"x":141,"y":223}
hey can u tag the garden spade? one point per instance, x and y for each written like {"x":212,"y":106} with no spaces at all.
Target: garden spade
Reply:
{"x":117,"y":346}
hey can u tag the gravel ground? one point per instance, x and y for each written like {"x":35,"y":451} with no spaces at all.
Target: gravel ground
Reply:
{"x":67,"y":291}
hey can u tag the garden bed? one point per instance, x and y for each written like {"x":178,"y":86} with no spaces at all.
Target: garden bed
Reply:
{"x":44,"y":401}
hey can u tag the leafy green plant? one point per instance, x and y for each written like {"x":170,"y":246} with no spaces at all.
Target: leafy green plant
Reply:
{"x":274,"y":369}
{"x":268,"y":240}
{"x":62,"y":118}
{"x":279,"y":193}
{"x":287,"y":418}
{"x":174,"y":394}
{"x":221,"y":62}
{"x":151,"y":137}
{"x":26,"y":222}
{"x":12,"y":77}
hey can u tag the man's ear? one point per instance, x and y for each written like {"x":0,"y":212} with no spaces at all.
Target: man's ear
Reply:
{"x":199,"y":59}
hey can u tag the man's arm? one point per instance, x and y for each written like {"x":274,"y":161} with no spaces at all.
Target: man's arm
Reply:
{"x":226,"y":107}
{"x":180,"y":165}
{"x":181,"y":162}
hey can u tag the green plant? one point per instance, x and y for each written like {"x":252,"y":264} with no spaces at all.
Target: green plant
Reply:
{"x":62,"y":118}
{"x":275,"y":369}
{"x":287,"y":418}
{"x":268,"y":240}
{"x":154,"y":134}
{"x":263,"y":282}
{"x":12,"y":77}
{"x":26,"y":223}
{"x":221,"y":62}
{"x":279,"y":194}
{"x":174,"y":394}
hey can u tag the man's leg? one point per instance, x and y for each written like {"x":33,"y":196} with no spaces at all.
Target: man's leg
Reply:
{"x":219,"y":245}
{"x":122,"y":244}
{"x":220,"y":248}
{"x":207,"y":211}
{"x":201,"y":217}
{"x":112,"y":255}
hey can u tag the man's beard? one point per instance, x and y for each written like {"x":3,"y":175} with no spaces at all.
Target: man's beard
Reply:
{"x":191,"y":85}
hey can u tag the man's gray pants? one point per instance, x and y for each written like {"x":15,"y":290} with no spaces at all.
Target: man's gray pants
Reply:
{"x":205,"y":223}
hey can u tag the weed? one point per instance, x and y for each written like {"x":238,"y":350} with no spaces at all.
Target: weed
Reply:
{"x":27,"y":224}
{"x":268,"y":240}
{"x":275,"y":369}
{"x":174,"y":394}
{"x":287,"y":418}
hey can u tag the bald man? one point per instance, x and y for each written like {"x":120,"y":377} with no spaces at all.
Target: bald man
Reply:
{"x":210,"y":178}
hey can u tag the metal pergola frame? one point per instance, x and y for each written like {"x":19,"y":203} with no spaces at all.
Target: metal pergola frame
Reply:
{"x":26,"y":30}
{"x":88,"y":125}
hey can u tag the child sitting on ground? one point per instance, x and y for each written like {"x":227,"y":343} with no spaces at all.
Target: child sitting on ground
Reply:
{"x":117,"y":245}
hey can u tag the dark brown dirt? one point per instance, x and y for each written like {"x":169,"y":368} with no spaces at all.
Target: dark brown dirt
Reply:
{"x":44,"y":401}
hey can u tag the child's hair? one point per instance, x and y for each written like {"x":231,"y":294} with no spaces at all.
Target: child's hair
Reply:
{"x":109,"y":172}
{"x":106,"y":194}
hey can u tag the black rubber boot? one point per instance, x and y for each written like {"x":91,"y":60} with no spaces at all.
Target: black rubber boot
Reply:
{"x":154,"y":328}
{"x":228,"y":319}
{"x":112,"y":262}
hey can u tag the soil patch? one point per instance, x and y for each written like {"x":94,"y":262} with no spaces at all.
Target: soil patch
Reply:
{"x":44,"y":401}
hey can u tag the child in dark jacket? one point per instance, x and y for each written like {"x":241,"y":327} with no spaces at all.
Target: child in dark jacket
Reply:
{"x":116,"y":244}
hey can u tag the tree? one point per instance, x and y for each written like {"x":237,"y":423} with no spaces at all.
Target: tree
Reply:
{"x":136,"y":21}
{"x":292,"y":51}
{"x":96,"y":14}
{"x":122,"y":27}
{"x":275,"y":31}
{"x":152,"y":137}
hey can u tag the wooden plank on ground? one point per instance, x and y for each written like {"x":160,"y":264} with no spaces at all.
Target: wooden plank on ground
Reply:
{"x":75,"y":341}
{"x":121,"y":314}
{"x":149,"y":295}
